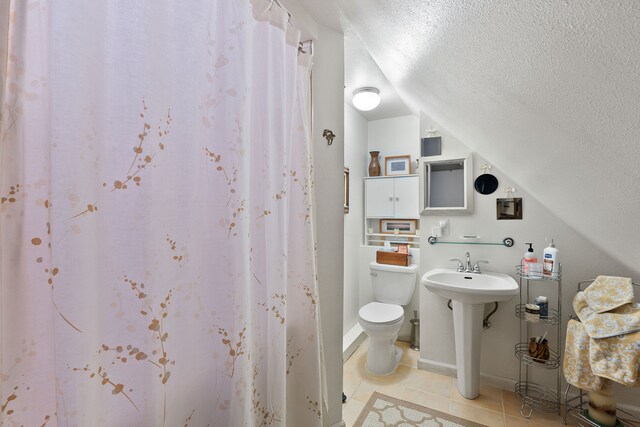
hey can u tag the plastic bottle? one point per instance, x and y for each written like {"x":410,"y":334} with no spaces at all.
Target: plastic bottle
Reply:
{"x":550,"y":260}
{"x":542,"y":302}
{"x":529,"y":258}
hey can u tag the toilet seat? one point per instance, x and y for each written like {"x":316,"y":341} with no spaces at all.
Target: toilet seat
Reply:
{"x":381,"y":313}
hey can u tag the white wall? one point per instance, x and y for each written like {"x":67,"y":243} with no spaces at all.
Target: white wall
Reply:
{"x":356,"y":159}
{"x":581,"y":260}
{"x":396,"y":137}
{"x":328,"y":113}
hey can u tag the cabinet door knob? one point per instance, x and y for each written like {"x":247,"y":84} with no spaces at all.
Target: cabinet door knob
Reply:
{"x":397,"y":198}
{"x":391,"y":199}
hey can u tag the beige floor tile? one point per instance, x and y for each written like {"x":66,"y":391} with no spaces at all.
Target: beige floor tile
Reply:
{"x":401,"y":373}
{"x":547,"y":418}
{"x":537,"y":421}
{"x":520,"y":422}
{"x":409,"y":356}
{"x":351,"y":410}
{"x":489,"y":398}
{"x":350,"y":382}
{"x":362,"y":348}
{"x":431,"y":400}
{"x":366,"y":389}
{"x":512,"y":405}
{"x":494,"y":407}
{"x":476,"y":414}
{"x":354,"y":359}
{"x":355,"y":365}
{"x":558,"y":422}
{"x":430,"y":382}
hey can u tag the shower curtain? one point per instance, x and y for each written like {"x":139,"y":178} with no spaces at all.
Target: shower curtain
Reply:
{"x":156,"y":216}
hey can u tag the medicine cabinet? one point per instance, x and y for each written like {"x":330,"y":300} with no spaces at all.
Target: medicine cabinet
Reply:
{"x":446,"y":184}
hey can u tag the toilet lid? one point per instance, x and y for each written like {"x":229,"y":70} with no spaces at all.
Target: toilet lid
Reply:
{"x":377,"y":312}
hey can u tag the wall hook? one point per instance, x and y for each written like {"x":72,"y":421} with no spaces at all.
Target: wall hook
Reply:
{"x":327,"y":133}
{"x":508,"y":192}
{"x":431,"y":131}
{"x":486,"y":168}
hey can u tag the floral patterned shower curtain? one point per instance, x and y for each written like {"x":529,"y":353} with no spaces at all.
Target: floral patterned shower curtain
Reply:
{"x":157,"y":251}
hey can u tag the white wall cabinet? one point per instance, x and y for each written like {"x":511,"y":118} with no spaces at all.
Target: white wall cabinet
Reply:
{"x":388,"y":197}
{"x":392,"y":197}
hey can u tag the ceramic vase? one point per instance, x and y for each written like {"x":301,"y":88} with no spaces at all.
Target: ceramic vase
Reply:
{"x":374,"y":164}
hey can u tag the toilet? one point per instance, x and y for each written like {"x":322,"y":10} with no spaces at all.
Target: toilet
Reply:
{"x":393,"y":287}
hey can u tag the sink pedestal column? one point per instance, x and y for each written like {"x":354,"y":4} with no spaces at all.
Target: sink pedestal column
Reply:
{"x":467,"y":326}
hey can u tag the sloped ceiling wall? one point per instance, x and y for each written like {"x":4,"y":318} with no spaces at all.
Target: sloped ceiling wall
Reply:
{"x":549,"y":91}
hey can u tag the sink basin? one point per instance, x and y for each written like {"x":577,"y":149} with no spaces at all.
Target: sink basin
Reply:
{"x":469,"y":293}
{"x":470,"y":288}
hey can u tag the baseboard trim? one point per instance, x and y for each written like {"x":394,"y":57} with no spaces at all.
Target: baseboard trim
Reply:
{"x":451,"y":371}
{"x":438,"y":367}
{"x":352,"y":340}
{"x":340,"y":423}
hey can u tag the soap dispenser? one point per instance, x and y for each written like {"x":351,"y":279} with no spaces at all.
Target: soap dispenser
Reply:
{"x":529,"y":258}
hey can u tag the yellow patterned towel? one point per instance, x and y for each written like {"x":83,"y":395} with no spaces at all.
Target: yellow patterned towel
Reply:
{"x":616,"y":358}
{"x":605,"y":344}
{"x":621,"y":320}
{"x":576,"y":366}
{"x":609,"y":292}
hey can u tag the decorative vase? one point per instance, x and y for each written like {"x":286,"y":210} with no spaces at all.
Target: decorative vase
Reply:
{"x":374,"y":164}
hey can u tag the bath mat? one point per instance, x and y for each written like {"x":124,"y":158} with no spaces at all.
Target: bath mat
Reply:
{"x":383,"y":411}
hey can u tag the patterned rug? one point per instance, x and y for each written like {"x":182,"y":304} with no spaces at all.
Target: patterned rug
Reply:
{"x":384,"y":411}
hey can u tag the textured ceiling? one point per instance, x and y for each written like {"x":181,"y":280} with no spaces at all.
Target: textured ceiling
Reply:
{"x":548,"y":91}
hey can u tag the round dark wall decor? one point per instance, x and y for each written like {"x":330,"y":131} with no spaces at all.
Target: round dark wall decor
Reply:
{"x":486,"y":183}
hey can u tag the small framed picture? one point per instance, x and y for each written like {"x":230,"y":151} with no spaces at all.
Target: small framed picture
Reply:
{"x":403,"y":248}
{"x":398,"y":226}
{"x":397,"y":165}
{"x":509,"y":208}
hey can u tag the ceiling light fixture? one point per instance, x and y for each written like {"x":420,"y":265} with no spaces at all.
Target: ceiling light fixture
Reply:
{"x":366,"y":98}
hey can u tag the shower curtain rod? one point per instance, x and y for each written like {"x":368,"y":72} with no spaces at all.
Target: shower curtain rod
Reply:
{"x":303,"y":45}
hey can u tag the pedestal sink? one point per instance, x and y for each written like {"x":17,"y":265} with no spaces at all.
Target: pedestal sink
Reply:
{"x":469,"y":292}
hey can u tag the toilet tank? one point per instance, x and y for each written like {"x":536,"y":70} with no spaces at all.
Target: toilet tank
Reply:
{"x":393,"y":284}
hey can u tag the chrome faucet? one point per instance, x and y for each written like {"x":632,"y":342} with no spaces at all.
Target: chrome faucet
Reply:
{"x":460,"y":268}
{"x":468,"y":269}
{"x":476,"y":266}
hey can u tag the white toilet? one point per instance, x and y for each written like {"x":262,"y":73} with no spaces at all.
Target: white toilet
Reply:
{"x":393,"y":287}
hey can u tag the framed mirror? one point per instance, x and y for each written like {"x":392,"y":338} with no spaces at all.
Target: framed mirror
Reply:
{"x":486,"y":183}
{"x":510,"y":208}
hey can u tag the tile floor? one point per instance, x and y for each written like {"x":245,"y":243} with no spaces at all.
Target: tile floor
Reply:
{"x":494,"y":407}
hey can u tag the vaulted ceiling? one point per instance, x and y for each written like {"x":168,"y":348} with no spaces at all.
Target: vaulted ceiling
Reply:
{"x":548,"y":91}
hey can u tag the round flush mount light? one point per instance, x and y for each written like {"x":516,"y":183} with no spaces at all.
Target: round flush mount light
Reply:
{"x":366,"y":98}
